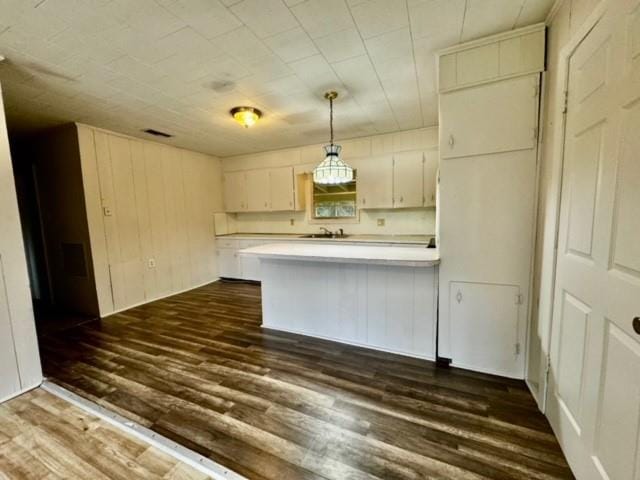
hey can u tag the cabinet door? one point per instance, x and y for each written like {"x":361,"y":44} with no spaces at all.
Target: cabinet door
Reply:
{"x":235,"y":192}
{"x":498,"y":117}
{"x":281,"y":180}
{"x":258,"y":190}
{"x":228,"y":264}
{"x":430,"y":172}
{"x":374,"y":181}
{"x":407,"y":179}
{"x":484,"y":328}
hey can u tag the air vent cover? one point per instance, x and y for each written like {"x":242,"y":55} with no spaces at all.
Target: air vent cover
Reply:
{"x":157,"y":133}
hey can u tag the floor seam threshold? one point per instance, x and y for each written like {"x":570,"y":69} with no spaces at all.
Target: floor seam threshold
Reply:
{"x":175,"y":450}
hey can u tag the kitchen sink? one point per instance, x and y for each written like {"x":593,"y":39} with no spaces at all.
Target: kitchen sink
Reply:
{"x":325,"y":235}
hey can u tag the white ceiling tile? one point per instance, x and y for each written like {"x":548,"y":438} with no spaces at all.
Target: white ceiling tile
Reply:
{"x":265,"y":17}
{"x":208,"y":17}
{"x":292,"y":45}
{"x":342,"y":45}
{"x":323,"y":17}
{"x":486,"y":17}
{"x":376,"y":17}
{"x":317,"y":74}
{"x":242,"y":44}
{"x":440,"y":21}
{"x":534,"y":11}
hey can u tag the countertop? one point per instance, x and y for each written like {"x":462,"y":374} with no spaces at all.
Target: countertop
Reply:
{"x":374,"y":255}
{"x":412,"y":239}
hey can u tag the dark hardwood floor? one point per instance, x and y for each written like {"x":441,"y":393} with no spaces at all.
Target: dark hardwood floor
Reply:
{"x":199,"y":369}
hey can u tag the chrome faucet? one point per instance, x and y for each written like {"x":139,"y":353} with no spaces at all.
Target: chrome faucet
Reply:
{"x":327,"y":231}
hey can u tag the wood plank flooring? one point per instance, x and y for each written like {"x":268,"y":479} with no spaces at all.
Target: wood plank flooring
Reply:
{"x":198,"y":368}
{"x":44,"y":437}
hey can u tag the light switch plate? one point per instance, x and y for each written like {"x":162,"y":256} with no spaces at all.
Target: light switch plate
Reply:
{"x":151,"y":263}
{"x":381,"y":222}
{"x":107,"y":211}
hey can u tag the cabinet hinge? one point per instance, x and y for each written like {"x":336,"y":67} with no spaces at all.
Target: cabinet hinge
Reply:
{"x":535,"y":133}
{"x":565,"y":105}
{"x":519,"y":299}
{"x":518,"y":348}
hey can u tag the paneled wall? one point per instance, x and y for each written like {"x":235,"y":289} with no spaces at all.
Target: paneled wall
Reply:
{"x":150,"y":214}
{"x":564,"y":21}
{"x":19,"y":359}
{"x":396,"y":221}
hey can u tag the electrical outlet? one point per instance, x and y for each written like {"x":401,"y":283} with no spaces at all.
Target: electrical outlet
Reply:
{"x":151,"y":263}
{"x":107,"y":211}
{"x":381,"y":222}
{"x":292,"y":222}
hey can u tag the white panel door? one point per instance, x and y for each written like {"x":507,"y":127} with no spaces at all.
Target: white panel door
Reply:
{"x":408,"y":180}
{"x":485,"y":320}
{"x":281,"y":188}
{"x":374,"y":181}
{"x":470,"y":128}
{"x":258,"y":190}
{"x":235,"y":191}
{"x":594,"y":383}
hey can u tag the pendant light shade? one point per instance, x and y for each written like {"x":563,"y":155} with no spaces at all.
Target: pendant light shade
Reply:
{"x":332,"y":170}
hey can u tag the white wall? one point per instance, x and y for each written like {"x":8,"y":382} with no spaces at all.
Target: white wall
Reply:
{"x":565,"y":19}
{"x":397,"y":221}
{"x":19,"y":359}
{"x":150,"y":210}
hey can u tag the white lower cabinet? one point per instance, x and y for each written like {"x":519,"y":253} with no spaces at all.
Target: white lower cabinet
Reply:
{"x":485,"y":318}
{"x":228,"y":265}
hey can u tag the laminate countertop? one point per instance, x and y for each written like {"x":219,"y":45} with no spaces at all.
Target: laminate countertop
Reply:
{"x":364,"y":238}
{"x":374,"y":255}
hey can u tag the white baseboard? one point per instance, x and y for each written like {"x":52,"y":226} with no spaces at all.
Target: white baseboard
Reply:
{"x":175,"y":450}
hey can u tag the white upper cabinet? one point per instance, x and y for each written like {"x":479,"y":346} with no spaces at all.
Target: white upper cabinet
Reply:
{"x":258,"y":190}
{"x":488,"y":119}
{"x":408,"y":180}
{"x":282,"y":188}
{"x":430,"y":174}
{"x":235,"y":192}
{"x":374,"y":181}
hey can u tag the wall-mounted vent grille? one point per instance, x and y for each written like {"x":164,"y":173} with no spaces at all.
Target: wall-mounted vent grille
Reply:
{"x":157,"y":133}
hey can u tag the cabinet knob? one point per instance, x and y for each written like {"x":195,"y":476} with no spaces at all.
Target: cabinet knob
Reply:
{"x":451,"y":141}
{"x":636,"y":325}
{"x":364,"y":200}
{"x":401,"y":199}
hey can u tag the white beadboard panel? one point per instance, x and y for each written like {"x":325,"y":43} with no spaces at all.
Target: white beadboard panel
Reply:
{"x":383,"y":307}
{"x":160,"y":228}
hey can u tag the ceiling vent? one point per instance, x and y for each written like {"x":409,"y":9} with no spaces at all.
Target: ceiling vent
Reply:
{"x":157,"y":133}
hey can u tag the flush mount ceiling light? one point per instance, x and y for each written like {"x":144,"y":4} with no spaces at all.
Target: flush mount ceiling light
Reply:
{"x":332,"y":170}
{"x":245,"y":116}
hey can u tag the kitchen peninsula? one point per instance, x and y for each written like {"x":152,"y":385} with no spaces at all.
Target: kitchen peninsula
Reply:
{"x":379,"y":297}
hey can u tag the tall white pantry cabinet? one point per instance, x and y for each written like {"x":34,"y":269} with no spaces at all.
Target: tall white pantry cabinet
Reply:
{"x":489,"y":92}
{"x":19,"y":359}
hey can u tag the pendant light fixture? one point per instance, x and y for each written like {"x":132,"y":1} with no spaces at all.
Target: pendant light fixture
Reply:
{"x":332,"y":170}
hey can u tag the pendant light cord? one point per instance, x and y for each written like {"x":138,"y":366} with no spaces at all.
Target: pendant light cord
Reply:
{"x":331,"y":118}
